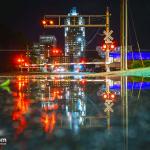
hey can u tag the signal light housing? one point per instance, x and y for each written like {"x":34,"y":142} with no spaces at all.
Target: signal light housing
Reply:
{"x":109,"y":46}
{"x":83,"y":60}
{"x":104,"y":47}
{"x":47,"y":22}
{"x":112,"y":46}
{"x":105,"y":96}
{"x":56,"y":52}
{"x":20,"y":60}
{"x":110,"y":96}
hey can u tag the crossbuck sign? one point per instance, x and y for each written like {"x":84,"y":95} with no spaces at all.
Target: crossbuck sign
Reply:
{"x":108,"y":38}
{"x":108,"y":107}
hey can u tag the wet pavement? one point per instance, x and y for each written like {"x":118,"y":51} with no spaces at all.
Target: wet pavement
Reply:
{"x":74,"y":113}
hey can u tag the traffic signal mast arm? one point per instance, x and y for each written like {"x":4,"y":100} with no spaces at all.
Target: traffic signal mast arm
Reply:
{"x":57,"y":21}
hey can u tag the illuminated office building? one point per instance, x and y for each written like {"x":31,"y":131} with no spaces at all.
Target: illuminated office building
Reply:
{"x":74,"y":36}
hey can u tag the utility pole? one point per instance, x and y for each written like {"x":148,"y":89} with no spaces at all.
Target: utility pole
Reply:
{"x":107,"y":50}
{"x":124,"y":67}
{"x":124,"y":34}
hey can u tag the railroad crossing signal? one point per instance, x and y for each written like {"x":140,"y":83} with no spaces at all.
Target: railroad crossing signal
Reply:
{"x":108,"y":46}
{"x":108,"y":38}
{"x":109,"y":95}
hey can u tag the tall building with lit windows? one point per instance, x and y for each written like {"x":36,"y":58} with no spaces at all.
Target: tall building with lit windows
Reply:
{"x":74,"y":36}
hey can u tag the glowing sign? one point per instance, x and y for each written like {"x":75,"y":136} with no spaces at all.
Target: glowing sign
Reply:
{"x":134,"y":55}
{"x":135,"y":86}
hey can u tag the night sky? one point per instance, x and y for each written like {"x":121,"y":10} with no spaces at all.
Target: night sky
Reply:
{"x":24,"y":17}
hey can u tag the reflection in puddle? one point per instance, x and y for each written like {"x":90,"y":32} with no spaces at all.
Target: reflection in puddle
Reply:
{"x":49,"y":104}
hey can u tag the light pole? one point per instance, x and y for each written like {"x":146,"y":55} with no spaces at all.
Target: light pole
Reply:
{"x":107,"y":50}
{"x":124,"y":67}
{"x":124,"y":34}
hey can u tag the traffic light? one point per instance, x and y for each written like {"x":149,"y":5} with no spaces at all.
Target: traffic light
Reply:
{"x":83,"y":82}
{"x":56,"y":52}
{"x":51,"y":22}
{"x":47,"y":22}
{"x":44,"y":22}
{"x":20,"y":60}
{"x":83,"y":60}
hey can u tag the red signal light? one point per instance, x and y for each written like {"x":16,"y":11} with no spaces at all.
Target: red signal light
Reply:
{"x":105,"y":96}
{"x":19,"y":60}
{"x":51,"y":22}
{"x":83,"y":60}
{"x":83,"y":82}
{"x":109,"y":46}
{"x":104,"y":47}
{"x":44,"y":22}
{"x":56,"y":51}
{"x":112,"y":96}
{"x":112,"y":46}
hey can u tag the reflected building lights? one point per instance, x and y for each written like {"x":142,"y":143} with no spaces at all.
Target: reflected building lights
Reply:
{"x":48,"y":121}
{"x":61,"y":104}
{"x":21,"y":106}
{"x":55,"y":94}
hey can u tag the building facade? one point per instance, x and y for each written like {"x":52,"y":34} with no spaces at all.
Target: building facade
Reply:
{"x":74,"y":36}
